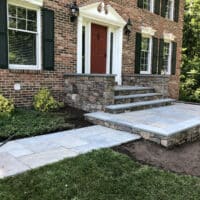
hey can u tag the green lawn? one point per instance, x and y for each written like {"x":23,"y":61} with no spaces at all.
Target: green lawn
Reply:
{"x":25,"y":122}
{"x":100,"y":175}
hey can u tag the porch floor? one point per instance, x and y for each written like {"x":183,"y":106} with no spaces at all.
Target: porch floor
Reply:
{"x":169,"y":125}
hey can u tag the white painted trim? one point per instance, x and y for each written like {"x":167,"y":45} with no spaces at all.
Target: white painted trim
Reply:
{"x":32,"y":4}
{"x":168,"y":72}
{"x":152,"y":6}
{"x":38,"y":65}
{"x":79,"y":45}
{"x":150,"y":56}
{"x":172,"y":9}
{"x":109,"y":30}
{"x":23,"y":67}
{"x":115,"y":23}
{"x":147,"y":31}
{"x":112,"y":18}
{"x":35,"y":2}
{"x":168,"y":37}
{"x":88,"y":48}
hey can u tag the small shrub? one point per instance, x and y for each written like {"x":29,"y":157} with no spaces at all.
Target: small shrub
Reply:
{"x":45,"y":102}
{"x":6,"y":106}
{"x":197,"y":95}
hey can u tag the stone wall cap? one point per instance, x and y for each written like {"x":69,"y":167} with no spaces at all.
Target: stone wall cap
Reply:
{"x":90,"y":75}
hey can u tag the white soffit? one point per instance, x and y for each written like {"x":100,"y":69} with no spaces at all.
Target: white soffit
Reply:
{"x":112,"y":17}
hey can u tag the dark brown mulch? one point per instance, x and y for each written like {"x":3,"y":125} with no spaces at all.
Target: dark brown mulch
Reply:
{"x":183,"y":159}
{"x":76,"y":117}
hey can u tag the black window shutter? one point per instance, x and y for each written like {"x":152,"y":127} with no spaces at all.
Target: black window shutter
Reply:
{"x":155,"y":56}
{"x":173,"y":64}
{"x":48,"y":39}
{"x":176,"y":10}
{"x":161,"y":51}
{"x":3,"y":35}
{"x":140,"y":3}
{"x":138,"y":52}
{"x":164,"y":7}
{"x":157,"y":7}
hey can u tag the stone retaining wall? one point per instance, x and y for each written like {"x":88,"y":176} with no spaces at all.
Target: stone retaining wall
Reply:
{"x":89,"y":92}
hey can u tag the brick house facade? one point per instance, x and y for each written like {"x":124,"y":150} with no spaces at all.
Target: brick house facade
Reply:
{"x":158,"y":39}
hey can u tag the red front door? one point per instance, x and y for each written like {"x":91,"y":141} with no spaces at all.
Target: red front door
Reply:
{"x":98,"y":49}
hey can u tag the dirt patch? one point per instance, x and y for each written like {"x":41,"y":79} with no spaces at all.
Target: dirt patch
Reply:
{"x":183,"y":159}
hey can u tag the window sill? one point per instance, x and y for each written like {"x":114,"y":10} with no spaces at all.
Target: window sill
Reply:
{"x":25,"y":71}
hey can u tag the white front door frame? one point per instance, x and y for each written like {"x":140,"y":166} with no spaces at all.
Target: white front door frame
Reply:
{"x":115,"y":25}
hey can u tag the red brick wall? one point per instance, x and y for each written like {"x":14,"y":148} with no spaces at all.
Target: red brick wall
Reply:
{"x":65,"y":50}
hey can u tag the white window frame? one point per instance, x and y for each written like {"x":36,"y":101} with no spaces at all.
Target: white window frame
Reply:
{"x":38,"y":35}
{"x":150,"y":54}
{"x":171,"y":17}
{"x":168,"y":72}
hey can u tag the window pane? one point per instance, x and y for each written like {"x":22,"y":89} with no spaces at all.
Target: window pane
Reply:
{"x":147,"y":4}
{"x":21,"y":24}
{"x":31,"y":26}
{"x":21,"y":13}
{"x":145,"y":54}
{"x":169,"y":8}
{"x":12,"y":11}
{"x":166,"y":56}
{"x":12,"y":23}
{"x":22,"y":48}
{"x":31,"y":15}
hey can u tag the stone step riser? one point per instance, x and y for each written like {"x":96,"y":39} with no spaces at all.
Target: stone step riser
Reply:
{"x":183,"y":136}
{"x":138,"y":99}
{"x":122,"y":127}
{"x":130,"y":92}
{"x":143,"y":107}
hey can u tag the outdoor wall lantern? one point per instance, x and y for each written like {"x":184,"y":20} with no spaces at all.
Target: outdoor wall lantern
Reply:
{"x":128,"y":28}
{"x":74,"y":11}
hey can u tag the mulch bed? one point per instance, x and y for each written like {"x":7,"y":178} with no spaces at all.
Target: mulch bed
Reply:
{"x":76,"y":117}
{"x":28,"y":122}
{"x":184,"y":159}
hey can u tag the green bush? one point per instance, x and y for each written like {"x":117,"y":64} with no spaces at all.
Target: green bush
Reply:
{"x":197,"y":95}
{"x":6,"y":106}
{"x":45,"y":102}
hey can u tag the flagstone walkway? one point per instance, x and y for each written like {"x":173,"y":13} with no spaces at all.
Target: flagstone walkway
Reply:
{"x":24,"y":154}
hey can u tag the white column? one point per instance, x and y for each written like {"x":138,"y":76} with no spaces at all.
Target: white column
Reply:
{"x":117,"y":55}
{"x":88,"y":48}
{"x":79,"y":45}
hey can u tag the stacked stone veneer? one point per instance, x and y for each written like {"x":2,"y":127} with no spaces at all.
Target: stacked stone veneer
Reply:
{"x":161,"y":83}
{"x":89,"y":92}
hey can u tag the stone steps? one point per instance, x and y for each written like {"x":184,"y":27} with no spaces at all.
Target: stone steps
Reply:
{"x":128,"y":90}
{"x":120,"y":108}
{"x":167,"y":126}
{"x":136,"y":98}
